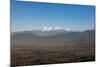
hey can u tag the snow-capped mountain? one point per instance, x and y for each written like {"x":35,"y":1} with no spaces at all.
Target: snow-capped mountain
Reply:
{"x":49,"y":31}
{"x":46,"y":31}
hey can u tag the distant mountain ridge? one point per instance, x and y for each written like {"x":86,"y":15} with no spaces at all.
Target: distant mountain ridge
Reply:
{"x":52,"y":34}
{"x":43,"y":32}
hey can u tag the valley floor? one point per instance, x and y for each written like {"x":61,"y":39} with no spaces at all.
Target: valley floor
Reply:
{"x":51,"y":53}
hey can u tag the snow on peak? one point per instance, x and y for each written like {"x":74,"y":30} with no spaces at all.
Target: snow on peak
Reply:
{"x":47,"y":29}
{"x":53,"y":28}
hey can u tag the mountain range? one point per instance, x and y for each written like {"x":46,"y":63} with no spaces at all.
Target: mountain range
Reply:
{"x":57,"y":34}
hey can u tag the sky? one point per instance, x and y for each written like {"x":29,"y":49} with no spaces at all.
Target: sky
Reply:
{"x":35,"y":15}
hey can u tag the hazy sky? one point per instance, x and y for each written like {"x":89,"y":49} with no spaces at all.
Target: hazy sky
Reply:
{"x":34,"y":15}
